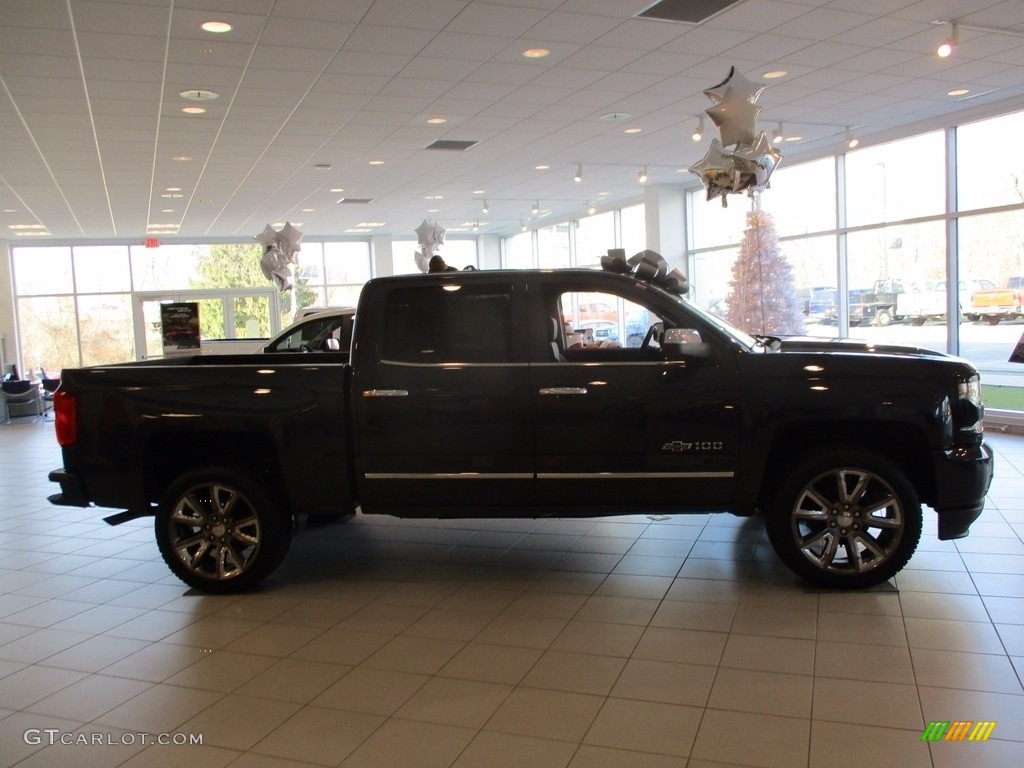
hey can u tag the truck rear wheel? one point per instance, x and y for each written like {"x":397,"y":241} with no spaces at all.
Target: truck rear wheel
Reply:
{"x":846,"y":519}
{"x":220,"y":530}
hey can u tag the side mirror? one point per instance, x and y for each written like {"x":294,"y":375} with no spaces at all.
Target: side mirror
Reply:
{"x":681,"y":343}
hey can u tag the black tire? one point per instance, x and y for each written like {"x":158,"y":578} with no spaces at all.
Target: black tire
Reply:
{"x":221,"y":531}
{"x":916,"y":321}
{"x":845,"y":519}
{"x":991,"y":319}
{"x":883,"y":318}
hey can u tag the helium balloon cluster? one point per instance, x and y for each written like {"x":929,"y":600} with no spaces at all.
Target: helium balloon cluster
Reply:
{"x":280,"y":250}
{"x":742,"y":161}
{"x":429,"y":236}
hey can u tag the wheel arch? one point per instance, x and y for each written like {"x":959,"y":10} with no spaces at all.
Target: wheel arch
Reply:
{"x":172,"y":455}
{"x":905,"y":445}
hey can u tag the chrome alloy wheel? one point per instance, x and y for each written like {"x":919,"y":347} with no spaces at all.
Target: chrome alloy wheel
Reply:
{"x":214,"y":531}
{"x":848,"y":521}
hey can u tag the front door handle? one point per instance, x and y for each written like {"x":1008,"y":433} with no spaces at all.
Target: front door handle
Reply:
{"x":385,"y":393}
{"x":563,"y":391}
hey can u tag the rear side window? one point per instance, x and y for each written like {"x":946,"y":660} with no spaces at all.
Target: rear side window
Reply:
{"x":435,"y":324}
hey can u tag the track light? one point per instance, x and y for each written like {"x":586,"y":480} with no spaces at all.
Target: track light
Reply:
{"x":642,"y":176}
{"x":777,"y":135}
{"x":476,"y":226}
{"x":590,"y":208}
{"x":947,"y":46}
{"x":536,"y":207}
{"x":579,"y":173}
{"x":851,"y":140}
{"x":486,"y":208}
{"x":522,"y":226}
{"x":698,"y":132}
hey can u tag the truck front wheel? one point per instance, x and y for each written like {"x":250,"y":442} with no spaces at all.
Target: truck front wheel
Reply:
{"x":845,"y":519}
{"x":220,"y":530}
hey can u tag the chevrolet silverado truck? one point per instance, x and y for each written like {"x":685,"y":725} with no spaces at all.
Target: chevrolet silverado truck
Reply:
{"x":461,"y":398}
{"x":997,"y":304}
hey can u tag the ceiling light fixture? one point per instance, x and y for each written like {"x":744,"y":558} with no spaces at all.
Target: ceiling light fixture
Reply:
{"x":193,"y":110}
{"x":590,"y":208}
{"x":437,"y":120}
{"x":642,"y":176}
{"x":698,"y":132}
{"x":777,"y":134}
{"x":486,"y":208}
{"x":775,"y":73}
{"x":851,"y":140}
{"x":579,"y":173}
{"x":947,"y":46}
{"x":217,"y":27}
{"x":536,"y":207}
{"x":476,"y":226}
{"x":522,"y":226}
{"x":536,"y":53}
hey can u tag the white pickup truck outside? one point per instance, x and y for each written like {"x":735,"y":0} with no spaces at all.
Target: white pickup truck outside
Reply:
{"x":926,"y":300}
{"x":312,"y":331}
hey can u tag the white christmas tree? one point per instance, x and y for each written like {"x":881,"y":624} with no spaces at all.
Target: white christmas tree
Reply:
{"x":762,"y":298}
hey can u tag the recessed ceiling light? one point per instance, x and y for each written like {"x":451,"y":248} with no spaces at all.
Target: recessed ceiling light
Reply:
{"x":358,"y":230}
{"x":182,"y":158}
{"x":171,"y":195}
{"x":434,"y":197}
{"x":433,"y":210}
{"x":541,"y":167}
{"x":612,"y":117}
{"x":217,"y":27}
{"x":371,"y":224}
{"x":21,"y":227}
{"x":437,"y":120}
{"x":307,"y":210}
{"x":774,"y":74}
{"x":536,"y":53}
{"x":376,"y":162}
{"x":958,"y":92}
{"x":33,"y":233}
{"x":198,"y":94}
{"x":193,"y":110}
{"x":323,"y":166}
{"x":9,"y":210}
{"x":479,"y":191}
{"x":173,"y":189}
{"x":794,"y":138}
{"x":166,"y":210}
{"x":336,"y":189}
{"x":633,"y":130}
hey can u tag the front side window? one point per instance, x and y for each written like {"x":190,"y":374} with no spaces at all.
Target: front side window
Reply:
{"x":435,"y":324}
{"x":599,"y":319}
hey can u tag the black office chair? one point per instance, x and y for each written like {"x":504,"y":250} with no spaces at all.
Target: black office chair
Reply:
{"x":49,"y":386}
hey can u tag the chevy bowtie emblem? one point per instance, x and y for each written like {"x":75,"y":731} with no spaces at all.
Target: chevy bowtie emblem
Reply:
{"x":676,"y":446}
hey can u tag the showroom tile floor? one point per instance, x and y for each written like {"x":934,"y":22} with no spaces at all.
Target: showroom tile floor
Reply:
{"x":631,"y":641}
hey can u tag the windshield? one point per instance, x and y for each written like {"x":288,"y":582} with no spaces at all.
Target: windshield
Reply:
{"x":737,"y":336}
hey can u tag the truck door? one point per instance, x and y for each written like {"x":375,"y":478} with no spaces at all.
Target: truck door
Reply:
{"x":441,"y":397}
{"x":619,"y":424}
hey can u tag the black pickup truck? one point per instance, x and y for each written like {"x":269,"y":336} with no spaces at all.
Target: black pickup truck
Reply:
{"x":466,"y":394}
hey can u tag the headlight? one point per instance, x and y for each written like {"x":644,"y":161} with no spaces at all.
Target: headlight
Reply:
{"x":970,"y":411}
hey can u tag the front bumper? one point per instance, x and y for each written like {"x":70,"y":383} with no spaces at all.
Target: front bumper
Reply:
{"x":963,"y":479}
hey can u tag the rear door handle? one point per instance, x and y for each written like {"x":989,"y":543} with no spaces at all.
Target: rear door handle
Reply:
{"x":563,"y":391}
{"x":385,"y":393}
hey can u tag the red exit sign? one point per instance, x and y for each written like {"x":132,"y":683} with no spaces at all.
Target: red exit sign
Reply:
{"x":152,"y":242}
